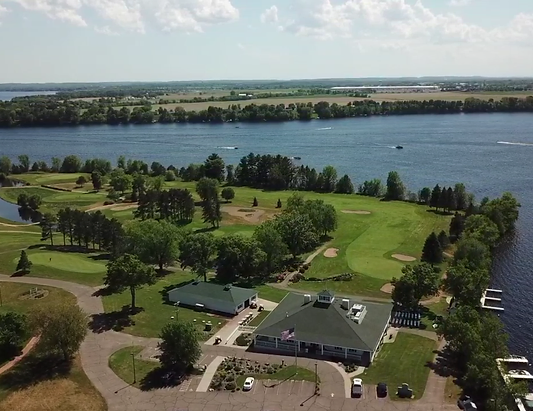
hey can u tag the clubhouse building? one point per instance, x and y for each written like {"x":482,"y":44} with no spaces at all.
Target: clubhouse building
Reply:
{"x":325,"y":327}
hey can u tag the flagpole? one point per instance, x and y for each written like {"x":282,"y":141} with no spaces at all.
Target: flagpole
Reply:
{"x":296,"y":344}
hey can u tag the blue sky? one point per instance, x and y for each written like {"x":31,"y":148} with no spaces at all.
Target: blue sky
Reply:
{"x":160,"y":40}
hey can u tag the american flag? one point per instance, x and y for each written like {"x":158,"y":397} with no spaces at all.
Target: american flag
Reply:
{"x":287,"y":334}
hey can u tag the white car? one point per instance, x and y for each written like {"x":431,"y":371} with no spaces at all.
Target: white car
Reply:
{"x":357,"y":387}
{"x":248,"y":384}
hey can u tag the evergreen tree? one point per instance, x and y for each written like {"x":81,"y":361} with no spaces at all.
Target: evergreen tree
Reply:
{"x":444,"y":241}
{"x":451,"y":201}
{"x":24,"y":264}
{"x":395,"y":187}
{"x":255,"y":203}
{"x":443,"y":199}
{"x":97,"y":180}
{"x":425,"y":195}
{"x":279,"y":203}
{"x":344,"y":185}
{"x":457,"y":226}
{"x":211,"y":212}
{"x":435,"y":196}
{"x":48,"y":226}
{"x":432,"y":251}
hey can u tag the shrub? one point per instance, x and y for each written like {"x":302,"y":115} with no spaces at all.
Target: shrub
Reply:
{"x":231,"y":386}
{"x":109,"y":202}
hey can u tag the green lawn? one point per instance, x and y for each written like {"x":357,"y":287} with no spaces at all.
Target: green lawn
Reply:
{"x":38,"y":178}
{"x":403,"y":361}
{"x":431,"y":311}
{"x":290,"y":372}
{"x":155,"y":312}
{"x":259,"y":318}
{"x":121,"y":362}
{"x":267,"y":292}
{"x":14,"y":299}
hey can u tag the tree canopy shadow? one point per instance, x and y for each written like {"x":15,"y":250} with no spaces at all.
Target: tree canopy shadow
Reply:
{"x":115,"y":320}
{"x":34,"y":368}
{"x":439,"y":212}
{"x":206,"y":230}
{"x":161,"y":377}
{"x":443,"y":364}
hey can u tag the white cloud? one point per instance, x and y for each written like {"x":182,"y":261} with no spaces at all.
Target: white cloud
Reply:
{"x":270,"y":15}
{"x":241,"y":46}
{"x":106,"y":30}
{"x":459,"y":3}
{"x":134,"y":15}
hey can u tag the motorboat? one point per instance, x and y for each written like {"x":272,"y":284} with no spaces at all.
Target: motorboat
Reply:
{"x":399,"y":147}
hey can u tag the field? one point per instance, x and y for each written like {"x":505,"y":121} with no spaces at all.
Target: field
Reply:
{"x":34,"y":386}
{"x":339,"y":99}
{"x":403,"y":361}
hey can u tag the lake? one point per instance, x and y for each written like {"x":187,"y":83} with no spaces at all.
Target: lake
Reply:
{"x":8,"y":95}
{"x":490,"y":153}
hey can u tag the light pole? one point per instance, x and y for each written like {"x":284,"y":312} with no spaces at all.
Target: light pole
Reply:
{"x":316,"y":378}
{"x":177,"y":304}
{"x":133,"y":361}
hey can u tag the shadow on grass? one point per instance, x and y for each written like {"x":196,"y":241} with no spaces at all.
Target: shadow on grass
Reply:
{"x":439,"y":212}
{"x":72,"y":249}
{"x":161,"y":377}
{"x":206,"y":230}
{"x":444,"y":364}
{"x":32,"y":369}
{"x":116,"y":320}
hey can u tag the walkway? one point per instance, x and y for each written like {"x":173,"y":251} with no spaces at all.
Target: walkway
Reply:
{"x":287,"y":279}
{"x":33,"y":341}
{"x":98,"y":347}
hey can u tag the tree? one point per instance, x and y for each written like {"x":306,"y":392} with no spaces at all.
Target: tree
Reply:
{"x":156,"y":183}
{"x":170,"y":175}
{"x":71,"y":164}
{"x":154,"y":242}
{"x":271,"y":243}
{"x":395,"y":187}
{"x":444,"y":241}
{"x":472,"y":253}
{"x":214,"y":167}
{"x":197,"y":252}
{"x":179,"y":346}
{"x":227,"y":194}
{"x":344,"y":185}
{"x":34,"y":202}
{"x":466,"y":285}
{"x":120,"y":181}
{"x":255,"y":203}
{"x":13,"y":332}
{"x":211,"y":212}
{"x":5,"y":165}
{"x":417,"y":282}
{"x":323,"y":216}
{"x":24,"y":162}
{"x":56,"y":165}
{"x":23,"y":200}
{"x":481,"y":228}
{"x":457,"y":226}
{"x":121,"y":162}
{"x":451,"y":201}
{"x":97,"y":180}
{"x":239,"y":259}
{"x":24,"y":264}
{"x":48,"y":227}
{"x":128,"y":272}
{"x":443,"y":199}
{"x":432,"y":251}
{"x":62,"y":328}
{"x":329,"y":179}
{"x":424,"y":196}
{"x":502,"y":211}
{"x":461,"y":196}
{"x":35,"y":166}
{"x":435,"y":197}
{"x":207,"y":189}
{"x":230,"y":175}
{"x":81,"y":181}
{"x":158,"y":169}
{"x":278,"y":205}
{"x":297,"y":231}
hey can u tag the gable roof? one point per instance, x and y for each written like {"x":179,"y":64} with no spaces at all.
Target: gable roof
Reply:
{"x":226,"y":293}
{"x":326,"y":323}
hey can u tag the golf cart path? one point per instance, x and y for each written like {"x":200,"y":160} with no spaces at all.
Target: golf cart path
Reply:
{"x":120,"y":396}
{"x":33,"y":341}
{"x":287,"y":279}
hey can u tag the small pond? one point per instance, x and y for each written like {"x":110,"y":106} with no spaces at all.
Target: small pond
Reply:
{"x":13,"y":212}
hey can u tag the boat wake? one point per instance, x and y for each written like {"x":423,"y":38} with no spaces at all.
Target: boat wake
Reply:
{"x":228,"y":148}
{"x":515,"y":144}
{"x":324,"y":128}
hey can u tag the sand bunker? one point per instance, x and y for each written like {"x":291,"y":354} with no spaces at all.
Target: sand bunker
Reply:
{"x":252,"y":216}
{"x":403,"y":257}
{"x":331,"y":252}
{"x":387,"y":288}
{"x":355,"y":212}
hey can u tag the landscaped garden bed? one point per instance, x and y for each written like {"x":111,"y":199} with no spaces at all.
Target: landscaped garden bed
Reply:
{"x":231,"y":374}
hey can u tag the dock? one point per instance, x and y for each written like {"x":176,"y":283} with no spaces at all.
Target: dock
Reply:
{"x":491,"y":299}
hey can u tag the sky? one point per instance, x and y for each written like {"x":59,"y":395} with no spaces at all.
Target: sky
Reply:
{"x":171,"y":40}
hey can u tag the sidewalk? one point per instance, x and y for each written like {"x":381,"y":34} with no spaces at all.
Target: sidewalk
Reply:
{"x":209,"y":374}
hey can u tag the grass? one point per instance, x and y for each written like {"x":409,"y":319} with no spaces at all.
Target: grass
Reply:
{"x":267,"y":292}
{"x":403,"y":361}
{"x":76,"y":262}
{"x":430,"y":312}
{"x":121,"y":363}
{"x":155,"y":311}
{"x":36,"y":384}
{"x":290,"y":372}
{"x":452,"y":392}
{"x":38,"y":178}
{"x":259,"y":318}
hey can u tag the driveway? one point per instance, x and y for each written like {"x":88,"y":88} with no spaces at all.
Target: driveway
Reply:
{"x":98,"y":346}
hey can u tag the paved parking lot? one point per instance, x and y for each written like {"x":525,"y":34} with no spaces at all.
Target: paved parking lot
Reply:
{"x":284,"y":388}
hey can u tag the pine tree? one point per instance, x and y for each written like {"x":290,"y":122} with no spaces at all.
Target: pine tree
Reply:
{"x":435,"y":195}
{"x":255,"y":204}
{"x":443,"y":199}
{"x":24,"y":264}
{"x":451,"y":201}
{"x":279,"y":203}
{"x":444,"y":241}
{"x":211,"y":212}
{"x":432,"y":251}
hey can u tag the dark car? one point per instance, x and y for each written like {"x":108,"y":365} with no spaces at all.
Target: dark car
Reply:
{"x":381,"y":390}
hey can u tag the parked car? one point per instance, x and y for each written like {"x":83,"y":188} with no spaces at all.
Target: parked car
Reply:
{"x":381,"y":390}
{"x":465,"y":403}
{"x":248,"y":384}
{"x":357,"y":387}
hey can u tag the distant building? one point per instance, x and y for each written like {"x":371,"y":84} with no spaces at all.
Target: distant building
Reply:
{"x":389,"y":89}
{"x":226,"y":299}
{"x":339,"y":329}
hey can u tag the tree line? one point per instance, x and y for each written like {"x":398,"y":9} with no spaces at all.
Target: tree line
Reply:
{"x":53,"y":112}
{"x":475,"y":337}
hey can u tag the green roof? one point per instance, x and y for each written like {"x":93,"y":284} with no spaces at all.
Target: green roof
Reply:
{"x":226,"y":293}
{"x":327,"y":323}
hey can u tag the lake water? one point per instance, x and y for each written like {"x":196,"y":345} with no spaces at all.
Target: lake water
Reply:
{"x":490,"y":153}
{"x":8,"y":95}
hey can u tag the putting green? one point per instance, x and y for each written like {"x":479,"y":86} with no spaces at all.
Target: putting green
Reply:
{"x":77,"y":263}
